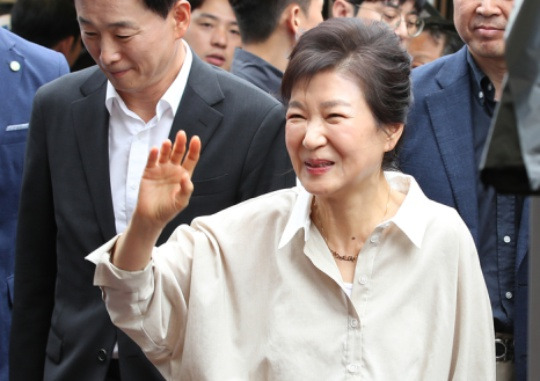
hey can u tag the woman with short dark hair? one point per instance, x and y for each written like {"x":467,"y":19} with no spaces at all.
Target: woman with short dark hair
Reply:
{"x":354,"y":274}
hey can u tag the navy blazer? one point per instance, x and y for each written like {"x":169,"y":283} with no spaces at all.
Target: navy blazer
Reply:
{"x":61,"y":329}
{"x":24,"y":67}
{"x":438,"y":151}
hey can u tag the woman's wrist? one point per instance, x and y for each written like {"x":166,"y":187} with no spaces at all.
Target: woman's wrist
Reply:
{"x":133,"y":249}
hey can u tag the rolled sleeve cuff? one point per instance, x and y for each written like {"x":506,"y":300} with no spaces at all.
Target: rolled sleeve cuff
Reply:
{"x":113,"y":278}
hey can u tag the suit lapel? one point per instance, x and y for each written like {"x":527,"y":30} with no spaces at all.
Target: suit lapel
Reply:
{"x":91,"y":123}
{"x":452,"y":126}
{"x":198,"y":112}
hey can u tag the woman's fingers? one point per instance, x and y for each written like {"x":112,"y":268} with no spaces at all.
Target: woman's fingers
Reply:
{"x":176,"y":154}
{"x":179,"y":156}
{"x":165,"y":152}
{"x":152,"y":158}
{"x":192,"y":156}
{"x":179,"y":148}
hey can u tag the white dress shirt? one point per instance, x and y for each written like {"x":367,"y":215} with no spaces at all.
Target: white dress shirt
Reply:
{"x":130,"y":140}
{"x":253,"y":293}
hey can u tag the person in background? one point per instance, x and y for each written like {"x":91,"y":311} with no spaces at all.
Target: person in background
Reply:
{"x":403,"y":16}
{"x":5,"y":17}
{"x":269,"y":31}
{"x":438,"y":38}
{"x":323,"y":281}
{"x":50,"y":23}
{"x":455,"y":97}
{"x":213,"y":33}
{"x":90,"y":133}
{"x":24,"y":68}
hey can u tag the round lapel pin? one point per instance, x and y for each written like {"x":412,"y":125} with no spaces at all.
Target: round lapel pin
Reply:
{"x":15,"y":66}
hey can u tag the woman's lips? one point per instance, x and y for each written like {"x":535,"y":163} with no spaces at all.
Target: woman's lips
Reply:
{"x":318,"y":167}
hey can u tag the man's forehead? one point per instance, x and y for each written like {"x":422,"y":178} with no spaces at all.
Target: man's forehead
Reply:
{"x":393,"y":3}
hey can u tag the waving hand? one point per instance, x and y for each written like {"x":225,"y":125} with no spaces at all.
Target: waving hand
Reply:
{"x":164,"y":192}
{"x":166,"y":182}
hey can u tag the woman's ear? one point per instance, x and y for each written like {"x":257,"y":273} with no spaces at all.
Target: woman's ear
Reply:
{"x":393,"y":134}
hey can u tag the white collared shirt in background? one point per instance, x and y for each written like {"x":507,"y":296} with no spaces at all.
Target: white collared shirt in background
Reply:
{"x":130,"y":140}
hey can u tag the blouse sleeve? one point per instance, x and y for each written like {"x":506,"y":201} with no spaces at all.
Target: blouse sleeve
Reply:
{"x":473,"y":356}
{"x":151,"y":305}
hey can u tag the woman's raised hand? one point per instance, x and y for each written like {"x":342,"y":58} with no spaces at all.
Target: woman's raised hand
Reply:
{"x":166,"y":182}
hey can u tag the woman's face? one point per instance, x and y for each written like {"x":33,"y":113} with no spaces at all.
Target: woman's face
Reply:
{"x":335,"y":145}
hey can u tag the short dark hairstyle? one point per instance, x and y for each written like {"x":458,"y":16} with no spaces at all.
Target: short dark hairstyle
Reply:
{"x":45,"y":22}
{"x":161,"y":7}
{"x":366,"y":51}
{"x":257,"y":19}
{"x":195,"y":3}
{"x":440,"y":28}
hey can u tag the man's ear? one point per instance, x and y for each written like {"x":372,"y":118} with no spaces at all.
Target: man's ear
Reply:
{"x":180,"y":15}
{"x":70,"y":47}
{"x":291,"y":16}
{"x":342,"y":8}
{"x":65,"y":45}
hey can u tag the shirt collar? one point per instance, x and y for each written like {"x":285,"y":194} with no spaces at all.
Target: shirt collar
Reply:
{"x":171,"y":98}
{"x":413,"y":208}
{"x":411,"y":217}
{"x":300,"y":217}
{"x":481,"y":81}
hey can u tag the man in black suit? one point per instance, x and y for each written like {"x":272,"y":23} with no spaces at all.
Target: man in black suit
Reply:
{"x":89,"y":139}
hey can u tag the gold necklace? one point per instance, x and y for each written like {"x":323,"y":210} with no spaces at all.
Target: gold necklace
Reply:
{"x":335,"y":254}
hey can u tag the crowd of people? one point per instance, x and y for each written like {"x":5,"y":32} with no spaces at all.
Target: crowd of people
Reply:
{"x":256,"y":190}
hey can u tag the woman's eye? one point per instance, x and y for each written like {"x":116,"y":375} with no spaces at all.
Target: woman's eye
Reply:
{"x":335,"y":116}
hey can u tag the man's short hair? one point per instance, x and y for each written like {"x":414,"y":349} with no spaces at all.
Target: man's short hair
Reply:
{"x":161,"y":7}
{"x":196,"y":4}
{"x":440,"y":28}
{"x":257,"y":19}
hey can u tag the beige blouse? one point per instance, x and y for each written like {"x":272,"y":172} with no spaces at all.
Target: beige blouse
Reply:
{"x":253,"y":293}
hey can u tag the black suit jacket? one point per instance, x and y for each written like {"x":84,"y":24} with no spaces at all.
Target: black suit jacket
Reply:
{"x":61,"y":330}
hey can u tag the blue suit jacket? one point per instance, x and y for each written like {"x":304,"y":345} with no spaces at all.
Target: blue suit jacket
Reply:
{"x":438,"y":151}
{"x":38,"y":65}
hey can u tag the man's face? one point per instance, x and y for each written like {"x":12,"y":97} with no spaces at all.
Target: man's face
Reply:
{"x":398,"y":16}
{"x":425,"y":48}
{"x":139,"y":51}
{"x":313,"y":17}
{"x":481,"y":24}
{"x":213,"y":33}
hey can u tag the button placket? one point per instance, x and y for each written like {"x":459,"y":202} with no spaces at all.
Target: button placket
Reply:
{"x":353,"y":368}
